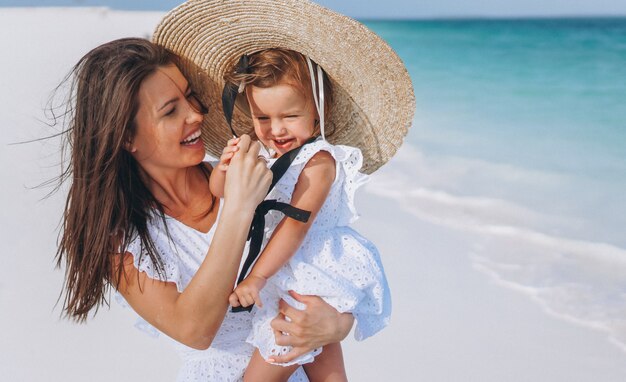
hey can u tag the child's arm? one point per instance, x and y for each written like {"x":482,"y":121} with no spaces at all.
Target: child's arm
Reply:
{"x":309,"y":194}
{"x":216,"y":181}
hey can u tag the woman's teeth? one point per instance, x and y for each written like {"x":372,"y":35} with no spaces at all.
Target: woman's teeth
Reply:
{"x":193,"y":138}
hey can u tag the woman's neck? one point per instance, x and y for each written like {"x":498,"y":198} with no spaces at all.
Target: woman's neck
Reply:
{"x":178,"y":191}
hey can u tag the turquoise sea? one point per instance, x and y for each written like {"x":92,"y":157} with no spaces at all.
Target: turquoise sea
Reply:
{"x":543,"y":95}
{"x":519,"y":139}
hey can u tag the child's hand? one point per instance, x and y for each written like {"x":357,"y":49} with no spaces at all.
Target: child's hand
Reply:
{"x":227,"y":154}
{"x":247,"y":292}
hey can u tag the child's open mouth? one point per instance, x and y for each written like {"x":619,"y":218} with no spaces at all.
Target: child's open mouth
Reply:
{"x":283,"y":143}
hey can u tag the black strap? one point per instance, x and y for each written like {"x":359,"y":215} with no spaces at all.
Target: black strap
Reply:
{"x":229,"y":94}
{"x":257,"y":227}
{"x":282,"y":164}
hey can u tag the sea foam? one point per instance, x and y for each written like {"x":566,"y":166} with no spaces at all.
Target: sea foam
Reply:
{"x":515,"y":240}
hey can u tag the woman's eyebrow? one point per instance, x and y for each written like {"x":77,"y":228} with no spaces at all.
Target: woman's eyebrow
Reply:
{"x":168,"y":102}
{"x":187,"y":89}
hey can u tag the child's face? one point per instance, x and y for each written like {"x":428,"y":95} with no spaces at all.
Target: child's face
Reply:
{"x":283,"y":118}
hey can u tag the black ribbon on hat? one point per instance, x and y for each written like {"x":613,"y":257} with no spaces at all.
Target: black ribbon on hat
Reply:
{"x":230,"y":92}
{"x":257,"y":228}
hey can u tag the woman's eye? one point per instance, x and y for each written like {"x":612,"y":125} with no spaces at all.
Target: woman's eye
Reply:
{"x":196,"y":104}
{"x":291,"y":116}
{"x":262,"y":118}
{"x":171,"y":111}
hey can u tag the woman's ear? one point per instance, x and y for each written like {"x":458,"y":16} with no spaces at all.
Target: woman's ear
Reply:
{"x":129,"y":146}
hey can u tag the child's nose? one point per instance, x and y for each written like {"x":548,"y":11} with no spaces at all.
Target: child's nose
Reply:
{"x":278,"y":126}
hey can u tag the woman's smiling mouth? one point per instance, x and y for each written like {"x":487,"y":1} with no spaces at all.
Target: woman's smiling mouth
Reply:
{"x":192,"y":138}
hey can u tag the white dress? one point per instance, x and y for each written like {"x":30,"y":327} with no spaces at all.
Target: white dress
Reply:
{"x":333,"y":262}
{"x":229,"y":354}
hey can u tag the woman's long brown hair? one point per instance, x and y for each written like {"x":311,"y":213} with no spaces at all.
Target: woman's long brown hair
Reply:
{"x":108,"y":204}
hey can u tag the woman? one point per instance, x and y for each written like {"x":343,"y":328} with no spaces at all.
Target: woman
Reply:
{"x":140,"y":217}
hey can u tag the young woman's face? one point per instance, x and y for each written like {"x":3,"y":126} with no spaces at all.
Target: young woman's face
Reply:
{"x":168,"y":122}
{"x":283,"y":118}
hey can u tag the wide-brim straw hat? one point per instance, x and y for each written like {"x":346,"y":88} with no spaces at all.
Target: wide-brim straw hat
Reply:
{"x":373,"y":101}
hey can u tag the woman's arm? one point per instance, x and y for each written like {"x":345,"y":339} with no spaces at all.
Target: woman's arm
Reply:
{"x":309,"y":194}
{"x":194,"y":316}
{"x":317,"y":325}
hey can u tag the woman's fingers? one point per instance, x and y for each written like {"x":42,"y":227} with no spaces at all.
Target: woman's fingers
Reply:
{"x":317,"y":325}
{"x":232,"y":142}
{"x":305,"y":299}
{"x":244,"y":142}
{"x":293,"y":354}
{"x":284,"y":332}
{"x":288,"y":332}
{"x":247,"y":179}
{"x":249,"y":150}
{"x":296,"y":315}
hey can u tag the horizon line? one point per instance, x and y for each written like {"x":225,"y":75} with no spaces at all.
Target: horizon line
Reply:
{"x":450,"y":17}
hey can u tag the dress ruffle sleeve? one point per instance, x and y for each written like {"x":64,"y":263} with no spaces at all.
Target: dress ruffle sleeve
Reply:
{"x":349,"y":161}
{"x":170,"y":272}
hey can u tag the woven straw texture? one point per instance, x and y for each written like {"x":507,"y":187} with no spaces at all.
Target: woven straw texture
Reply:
{"x":373,"y":96}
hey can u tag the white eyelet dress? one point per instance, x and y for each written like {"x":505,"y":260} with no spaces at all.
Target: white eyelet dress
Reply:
{"x":333,"y":262}
{"x":229,"y":354}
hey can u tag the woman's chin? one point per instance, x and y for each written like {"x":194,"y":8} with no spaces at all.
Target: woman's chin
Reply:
{"x":194,"y":153}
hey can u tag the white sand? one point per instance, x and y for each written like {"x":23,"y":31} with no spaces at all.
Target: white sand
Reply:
{"x":450,"y":323}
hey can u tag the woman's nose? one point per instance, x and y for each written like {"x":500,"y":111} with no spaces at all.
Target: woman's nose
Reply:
{"x":193,"y":115}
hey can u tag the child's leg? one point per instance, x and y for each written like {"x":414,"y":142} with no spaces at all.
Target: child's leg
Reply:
{"x":328,"y":366}
{"x":260,"y":371}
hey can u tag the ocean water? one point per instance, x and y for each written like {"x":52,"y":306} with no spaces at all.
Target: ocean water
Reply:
{"x":519,"y":138}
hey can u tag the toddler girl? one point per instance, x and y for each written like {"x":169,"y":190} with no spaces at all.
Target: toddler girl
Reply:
{"x":289,"y":99}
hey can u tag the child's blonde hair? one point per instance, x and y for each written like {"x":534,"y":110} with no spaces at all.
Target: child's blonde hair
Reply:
{"x":269,"y":67}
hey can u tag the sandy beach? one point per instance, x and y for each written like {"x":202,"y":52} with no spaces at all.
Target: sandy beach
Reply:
{"x":450,"y":321}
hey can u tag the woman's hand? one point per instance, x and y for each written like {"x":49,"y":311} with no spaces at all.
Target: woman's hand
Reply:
{"x":248,"y":177}
{"x":317,"y":325}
